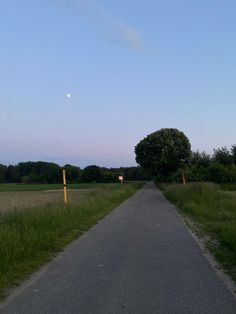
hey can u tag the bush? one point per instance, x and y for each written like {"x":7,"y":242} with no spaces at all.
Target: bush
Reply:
{"x":219,"y":173}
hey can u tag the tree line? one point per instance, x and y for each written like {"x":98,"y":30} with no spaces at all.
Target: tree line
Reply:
{"x":167,"y":155}
{"x":164,"y":155}
{"x":48,"y":172}
{"x":220,"y":167}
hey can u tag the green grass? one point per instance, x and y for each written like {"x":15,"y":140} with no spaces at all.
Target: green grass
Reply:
{"x":30,"y":238}
{"x":228,"y":187}
{"x":214,"y":212}
{"x":13,"y":187}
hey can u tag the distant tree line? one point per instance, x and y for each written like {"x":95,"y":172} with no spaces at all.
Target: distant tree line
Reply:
{"x":167,"y":155}
{"x":48,"y":172}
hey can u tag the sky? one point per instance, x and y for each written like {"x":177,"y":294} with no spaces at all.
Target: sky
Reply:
{"x":131,"y":67}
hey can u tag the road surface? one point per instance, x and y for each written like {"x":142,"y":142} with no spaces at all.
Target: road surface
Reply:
{"x":140,"y":259}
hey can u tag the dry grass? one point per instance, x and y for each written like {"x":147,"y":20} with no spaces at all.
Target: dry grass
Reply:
{"x":36,"y":199}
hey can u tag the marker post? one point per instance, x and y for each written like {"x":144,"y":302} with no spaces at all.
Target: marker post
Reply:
{"x":65,"y":189}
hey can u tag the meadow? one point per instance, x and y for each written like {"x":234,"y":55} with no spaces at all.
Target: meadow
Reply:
{"x":22,"y":196}
{"x":212,"y":212}
{"x":29,"y":237}
{"x":14,"y":187}
{"x":10,"y":201}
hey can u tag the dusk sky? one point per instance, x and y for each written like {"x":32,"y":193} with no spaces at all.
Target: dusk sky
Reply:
{"x":131,"y":67}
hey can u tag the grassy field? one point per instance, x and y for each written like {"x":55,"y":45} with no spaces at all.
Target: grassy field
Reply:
{"x":13,"y":187}
{"x":214,"y":212}
{"x":228,"y":187}
{"x":29,"y":238}
{"x":37,"y":199}
{"x":18,"y":196}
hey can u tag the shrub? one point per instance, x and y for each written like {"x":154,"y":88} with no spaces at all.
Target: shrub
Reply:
{"x":219,"y":173}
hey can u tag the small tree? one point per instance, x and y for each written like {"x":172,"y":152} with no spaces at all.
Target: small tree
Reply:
{"x":163,"y":152}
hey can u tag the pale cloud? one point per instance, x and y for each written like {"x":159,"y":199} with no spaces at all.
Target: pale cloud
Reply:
{"x":105,"y":23}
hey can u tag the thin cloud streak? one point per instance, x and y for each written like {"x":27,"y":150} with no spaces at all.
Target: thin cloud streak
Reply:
{"x":105,"y":23}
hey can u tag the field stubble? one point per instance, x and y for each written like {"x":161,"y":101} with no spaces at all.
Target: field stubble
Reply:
{"x":37,"y":199}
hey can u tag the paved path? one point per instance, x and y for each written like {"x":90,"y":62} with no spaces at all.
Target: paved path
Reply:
{"x":140,"y":259}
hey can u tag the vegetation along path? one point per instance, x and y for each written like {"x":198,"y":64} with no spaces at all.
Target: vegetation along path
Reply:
{"x":139,"y":259}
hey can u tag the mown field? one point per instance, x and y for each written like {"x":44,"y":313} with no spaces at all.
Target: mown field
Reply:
{"x":29,"y":237}
{"x":14,"y":187}
{"x":22,"y":196}
{"x":38,"y":199}
{"x":212,"y":209}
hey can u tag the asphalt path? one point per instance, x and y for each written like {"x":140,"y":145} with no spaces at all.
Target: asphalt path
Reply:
{"x":140,"y":259}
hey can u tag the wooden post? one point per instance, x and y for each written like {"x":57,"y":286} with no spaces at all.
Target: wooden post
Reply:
{"x":65,"y":189}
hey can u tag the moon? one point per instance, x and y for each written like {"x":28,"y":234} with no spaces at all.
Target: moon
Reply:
{"x":68,"y":95}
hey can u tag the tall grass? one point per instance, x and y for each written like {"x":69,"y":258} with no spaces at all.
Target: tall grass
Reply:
{"x":215,"y":212}
{"x":30,"y":238}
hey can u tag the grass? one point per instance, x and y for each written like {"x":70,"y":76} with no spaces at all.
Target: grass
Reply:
{"x":10,"y":201}
{"x":214,"y":212}
{"x":13,"y":187}
{"x":30,"y":238}
{"x":228,"y":187}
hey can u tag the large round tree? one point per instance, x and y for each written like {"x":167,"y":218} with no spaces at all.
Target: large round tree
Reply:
{"x":163,"y":151}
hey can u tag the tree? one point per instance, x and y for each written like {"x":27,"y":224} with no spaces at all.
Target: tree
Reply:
{"x":163,"y":151}
{"x":91,"y":174}
{"x":38,"y":172}
{"x":107,"y":176}
{"x":200,"y":159}
{"x":13,"y":174}
{"x":73,"y":173}
{"x":223,"y":156}
{"x":3,"y":173}
{"x":233,"y":153}
{"x":219,"y":173}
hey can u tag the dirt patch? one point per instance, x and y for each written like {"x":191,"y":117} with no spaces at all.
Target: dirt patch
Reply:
{"x":36,"y":199}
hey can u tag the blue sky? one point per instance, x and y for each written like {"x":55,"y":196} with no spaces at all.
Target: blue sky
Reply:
{"x":132,"y":67}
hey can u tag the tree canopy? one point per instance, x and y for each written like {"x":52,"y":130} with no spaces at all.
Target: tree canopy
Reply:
{"x":163,"y":151}
{"x":92,"y":174}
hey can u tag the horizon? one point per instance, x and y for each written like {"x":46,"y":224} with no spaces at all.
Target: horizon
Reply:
{"x":82,"y":165}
